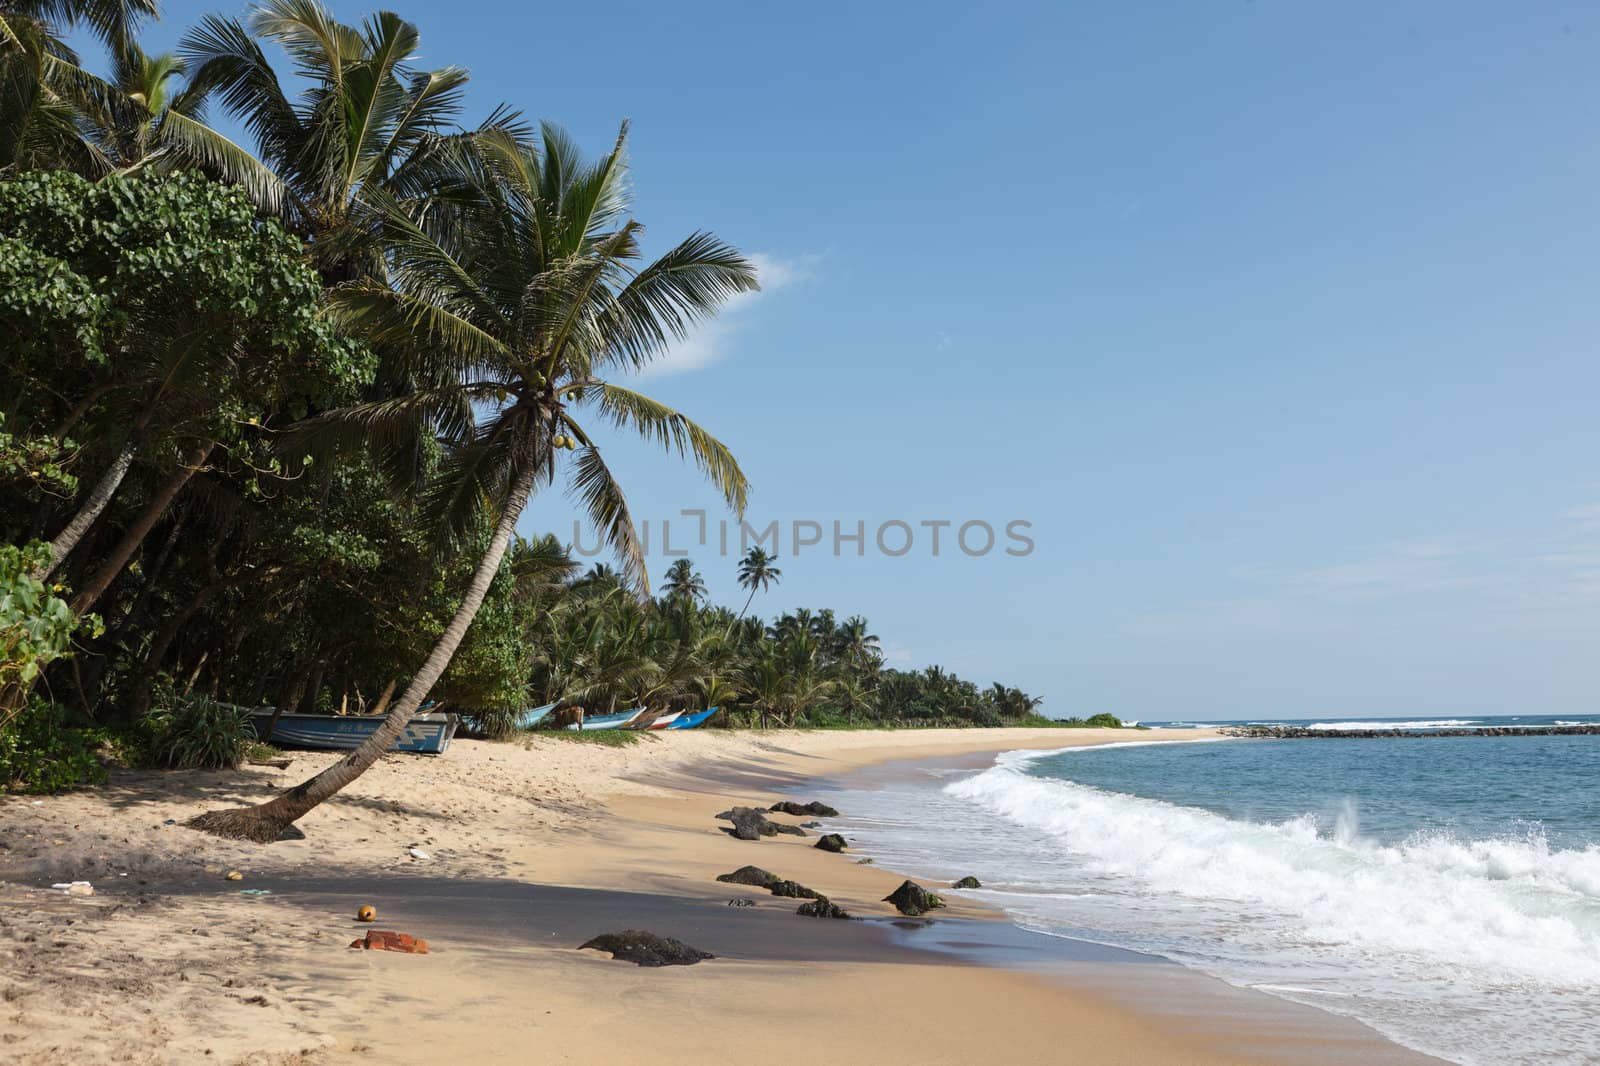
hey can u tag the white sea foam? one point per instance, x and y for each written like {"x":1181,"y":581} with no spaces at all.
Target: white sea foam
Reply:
{"x":1427,"y":723}
{"x":1478,"y":950}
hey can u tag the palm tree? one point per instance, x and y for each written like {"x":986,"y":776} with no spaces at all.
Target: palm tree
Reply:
{"x":854,"y":643}
{"x":757,"y":572}
{"x":510,"y":300}
{"x":44,"y":92}
{"x":683,"y":584}
{"x":149,"y":122}
{"x":367,"y":118}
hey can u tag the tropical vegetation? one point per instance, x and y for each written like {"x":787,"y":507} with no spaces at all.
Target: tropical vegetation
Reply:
{"x":276,"y":402}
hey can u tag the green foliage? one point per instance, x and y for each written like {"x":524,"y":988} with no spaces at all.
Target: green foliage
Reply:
{"x":35,"y":624}
{"x":172,"y":278}
{"x":40,"y":753}
{"x":37,"y":462}
{"x":190,"y":732}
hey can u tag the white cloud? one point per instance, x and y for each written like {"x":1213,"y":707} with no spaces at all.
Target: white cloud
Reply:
{"x":715,"y":340}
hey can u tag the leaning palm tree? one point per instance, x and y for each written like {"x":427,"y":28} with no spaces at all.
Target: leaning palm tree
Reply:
{"x":756,"y":572}
{"x":509,"y":302}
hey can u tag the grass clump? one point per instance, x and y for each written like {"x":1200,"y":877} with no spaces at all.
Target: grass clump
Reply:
{"x":198,"y":733}
{"x":606,"y":738}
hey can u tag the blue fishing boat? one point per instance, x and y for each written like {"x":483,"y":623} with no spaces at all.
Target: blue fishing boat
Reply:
{"x":607,"y":721}
{"x":689,"y":721}
{"x":533,"y":716}
{"x":426,"y":734}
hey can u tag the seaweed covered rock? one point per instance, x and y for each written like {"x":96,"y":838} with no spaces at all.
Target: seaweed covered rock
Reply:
{"x":912,"y":899}
{"x":793,"y":890}
{"x":819,"y":810}
{"x":647,"y":949}
{"x":750,"y":875}
{"x":831,"y":842}
{"x":822,"y":908}
{"x":968,"y":882}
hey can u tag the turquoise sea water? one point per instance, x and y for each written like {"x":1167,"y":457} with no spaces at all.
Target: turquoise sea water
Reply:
{"x":1444,"y":890}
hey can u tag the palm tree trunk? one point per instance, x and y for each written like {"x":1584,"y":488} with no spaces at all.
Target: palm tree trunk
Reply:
{"x":746,"y":606}
{"x":266,"y":822}
{"x":140,"y":529}
{"x":63,"y":543}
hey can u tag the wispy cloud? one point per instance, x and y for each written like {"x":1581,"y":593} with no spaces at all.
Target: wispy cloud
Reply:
{"x":1453,"y":581}
{"x":1399,"y":569}
{"x":716,"y":340}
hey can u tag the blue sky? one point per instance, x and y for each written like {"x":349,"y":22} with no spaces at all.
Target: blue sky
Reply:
{"x":1277,"y":323}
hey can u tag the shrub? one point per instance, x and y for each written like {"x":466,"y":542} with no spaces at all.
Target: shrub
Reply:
{"x":36,"y":625}
{"x":198,"y":733}
{"x":40,"y":753}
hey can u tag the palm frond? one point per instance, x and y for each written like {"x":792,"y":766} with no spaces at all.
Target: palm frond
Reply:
{"x":672,"y":429}
{"x":607,"y":507}
{"x":684,"y":287}
{"x":319,"y":44}
{"x":413,"y":328}
{"x":188,"y":141}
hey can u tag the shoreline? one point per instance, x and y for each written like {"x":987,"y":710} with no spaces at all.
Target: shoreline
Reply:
{"x":530,"y":850}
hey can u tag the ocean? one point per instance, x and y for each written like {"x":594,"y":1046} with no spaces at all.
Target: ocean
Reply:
{"x":1445,"y":891}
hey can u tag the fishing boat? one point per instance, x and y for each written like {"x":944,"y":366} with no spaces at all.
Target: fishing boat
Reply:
{"x":426,"y":734}
{"x":689,"y":721}
{"x":606,"y":721}
{"x":533,"y":716}
{"x":665,"y":721}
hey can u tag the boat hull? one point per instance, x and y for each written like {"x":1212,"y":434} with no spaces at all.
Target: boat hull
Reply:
{"x":425,"y":734}
{"x":689,"y":721}
{"x":606,"y":721}
{"x":532,"y":717}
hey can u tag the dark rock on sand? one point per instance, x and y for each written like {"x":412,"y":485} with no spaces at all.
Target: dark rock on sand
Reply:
{"x":912,"y":899}
{"x":831,"y":842}
{"x":749,"y":823}
{"x":750,"y":875}
{"x":788,"y":830}
{"x":793,"y":890}
{"x":822,"y":908}
{"x":647,"y":949}
{"x":968,"y":882}
{"x":820,"y":810}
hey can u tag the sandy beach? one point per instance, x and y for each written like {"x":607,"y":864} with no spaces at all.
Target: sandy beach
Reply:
{"x":528,"y":849}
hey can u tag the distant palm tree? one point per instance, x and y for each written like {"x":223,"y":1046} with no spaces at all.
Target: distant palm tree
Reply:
{"x":756,"y":572}
{"x":510,"y":300}
{"x":854,"y":643}
{"x":683,"y":584}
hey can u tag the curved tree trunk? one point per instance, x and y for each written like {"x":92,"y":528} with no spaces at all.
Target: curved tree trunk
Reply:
{"x":140,"y":529}
{"x":63,"y":543}
{"x":266,"y":822}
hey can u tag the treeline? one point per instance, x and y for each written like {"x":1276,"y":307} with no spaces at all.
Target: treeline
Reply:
{"x":271,"y":411}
